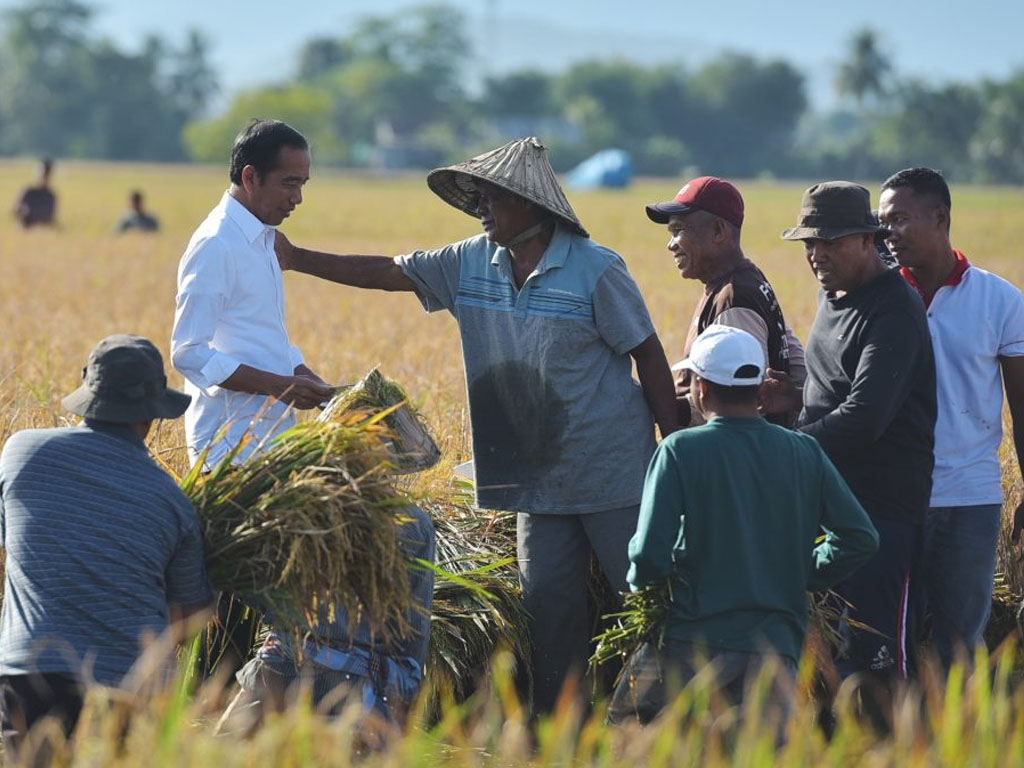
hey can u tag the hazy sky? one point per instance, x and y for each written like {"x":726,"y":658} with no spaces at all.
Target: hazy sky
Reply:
{"x":937,"y":40}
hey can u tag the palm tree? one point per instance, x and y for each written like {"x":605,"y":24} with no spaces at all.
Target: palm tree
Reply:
{"x":865,"y":70}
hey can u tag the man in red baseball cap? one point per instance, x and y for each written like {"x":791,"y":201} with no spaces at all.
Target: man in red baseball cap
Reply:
{"x":704,"y":221}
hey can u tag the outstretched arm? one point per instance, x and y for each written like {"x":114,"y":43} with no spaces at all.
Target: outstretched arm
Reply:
{"x":380,"y":272}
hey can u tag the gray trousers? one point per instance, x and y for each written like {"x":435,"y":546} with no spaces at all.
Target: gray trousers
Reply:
{"x":653,"y":677}
{"x":554,"y":564}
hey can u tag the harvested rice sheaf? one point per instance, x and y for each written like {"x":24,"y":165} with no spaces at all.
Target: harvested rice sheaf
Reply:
{"x":411,"y":447}
{"x":644,"y":612}
{"x":310,"y":520}
{"x":478,"y":607}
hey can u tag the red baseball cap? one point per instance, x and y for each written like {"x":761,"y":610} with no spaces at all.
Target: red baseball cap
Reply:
{"x":707,"y":193}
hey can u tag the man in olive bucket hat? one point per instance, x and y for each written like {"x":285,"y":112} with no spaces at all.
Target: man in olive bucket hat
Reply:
{"x":103,"y":549}
{"x":869,"y":399}
{"x":550,"y":323}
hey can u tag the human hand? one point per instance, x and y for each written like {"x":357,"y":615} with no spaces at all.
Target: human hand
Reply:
{"x":779,"y":393}
{"x":304,"y":392}
{"x":284,"y":249}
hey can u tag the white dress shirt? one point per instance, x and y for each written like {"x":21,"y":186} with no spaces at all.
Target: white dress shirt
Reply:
{"x":230,"y":311}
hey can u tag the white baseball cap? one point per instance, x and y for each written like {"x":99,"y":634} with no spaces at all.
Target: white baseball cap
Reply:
{"x":720,"y":352}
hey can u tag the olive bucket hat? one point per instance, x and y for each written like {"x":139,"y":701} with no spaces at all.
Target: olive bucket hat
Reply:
{"x":521,"y":167}
{"x":124,"y":382}
{"x":834,"y":209}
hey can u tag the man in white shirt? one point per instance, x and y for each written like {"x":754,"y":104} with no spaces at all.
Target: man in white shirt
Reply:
{"x":229,"y":339}
{"x":976,"y":320}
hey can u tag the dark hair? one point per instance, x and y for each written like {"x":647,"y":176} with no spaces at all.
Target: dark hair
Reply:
{"x":259,"y":146}
{"x":736,"y":395}
{"x":923,"y":181}
{"x":136,"y":196}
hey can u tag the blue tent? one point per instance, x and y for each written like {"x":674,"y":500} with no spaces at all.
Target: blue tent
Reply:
{"x":607,"y":168}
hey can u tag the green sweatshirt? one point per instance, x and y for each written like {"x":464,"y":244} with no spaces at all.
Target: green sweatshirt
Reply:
{"x":732,"y":510}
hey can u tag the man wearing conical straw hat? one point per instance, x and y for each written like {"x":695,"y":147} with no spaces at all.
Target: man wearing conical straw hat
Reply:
{"x":550,"y":324}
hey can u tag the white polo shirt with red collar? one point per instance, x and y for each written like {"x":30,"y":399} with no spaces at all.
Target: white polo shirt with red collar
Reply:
{"x":975,"y":317}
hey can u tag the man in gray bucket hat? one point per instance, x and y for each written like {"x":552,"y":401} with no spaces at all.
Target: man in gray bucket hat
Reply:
{"x":869,"y":400}
{"x":103,"y":549}
{"x":551,"y":324}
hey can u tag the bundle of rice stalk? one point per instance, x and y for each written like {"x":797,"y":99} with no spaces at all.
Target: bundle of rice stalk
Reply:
{"x":474,"y":614}
{"x":642,"y":615}
{"x":642,"y":619}
{"x":310,"y":520}
{"x":478,"y":606}
{"x":411,"y":446}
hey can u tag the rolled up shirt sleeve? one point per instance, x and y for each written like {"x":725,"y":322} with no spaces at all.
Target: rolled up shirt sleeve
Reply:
{"x":203,"y":283}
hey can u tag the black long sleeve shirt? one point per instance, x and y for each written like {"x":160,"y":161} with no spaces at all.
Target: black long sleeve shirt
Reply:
{"x":869,"y":398}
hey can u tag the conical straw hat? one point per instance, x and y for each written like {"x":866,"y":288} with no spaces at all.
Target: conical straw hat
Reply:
{"x":521,"y":166}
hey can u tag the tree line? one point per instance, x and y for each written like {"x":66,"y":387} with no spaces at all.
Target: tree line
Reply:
{"x":393,"y":91}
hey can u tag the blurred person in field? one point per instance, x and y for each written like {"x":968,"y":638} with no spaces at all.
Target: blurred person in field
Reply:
{"x":245,"y":377}
{"x":704,"y":220}
{"x":551,"y":324}
{"x":730,"y":523}
{"x":869,"y":400}
{"x":103,"y":549}
{"x":342,"y":664}
{"x":976,"y":320}
{"x":37,"y":204}
{"x":137,"y":217}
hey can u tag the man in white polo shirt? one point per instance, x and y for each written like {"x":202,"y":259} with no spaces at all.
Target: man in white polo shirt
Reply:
{"x":976,"y":320}
{"x":229,"y":339}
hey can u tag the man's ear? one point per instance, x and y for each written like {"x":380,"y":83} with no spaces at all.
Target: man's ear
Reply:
{"x":942,"y":217}
{"x":718,"y":229}
{"x":249,"y":177}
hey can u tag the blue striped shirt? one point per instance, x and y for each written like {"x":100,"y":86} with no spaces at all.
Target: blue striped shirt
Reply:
{"x":99,"y":540}
{"x":559,"y":425}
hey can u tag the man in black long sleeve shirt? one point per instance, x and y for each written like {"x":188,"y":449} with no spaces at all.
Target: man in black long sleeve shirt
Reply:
{"x":870,"y":401}
{"x":869,"y":398}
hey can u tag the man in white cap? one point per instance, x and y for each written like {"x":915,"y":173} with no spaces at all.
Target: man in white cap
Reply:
{"x":753,"y":499}
{"x":551,"y":324}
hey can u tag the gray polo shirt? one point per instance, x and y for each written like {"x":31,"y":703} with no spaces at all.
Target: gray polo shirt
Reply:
{"x":99,"y":539}
{"x":559,"y":425}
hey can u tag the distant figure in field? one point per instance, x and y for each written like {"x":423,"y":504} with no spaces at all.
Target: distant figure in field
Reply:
{"x":137,"y":217}
{"x":37,"y":204}
{"x":766,"y":518}
{"x":103,"y":548}
{"x":704,"y":221}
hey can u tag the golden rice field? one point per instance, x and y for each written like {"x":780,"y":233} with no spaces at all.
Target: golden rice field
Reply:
{"x":62,"y":290}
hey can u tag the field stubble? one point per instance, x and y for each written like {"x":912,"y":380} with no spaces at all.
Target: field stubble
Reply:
{"x":65,"y":289}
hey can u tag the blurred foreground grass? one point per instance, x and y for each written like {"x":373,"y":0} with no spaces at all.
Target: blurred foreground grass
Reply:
{"x":977,"y":720}
{"x":65,"y":289}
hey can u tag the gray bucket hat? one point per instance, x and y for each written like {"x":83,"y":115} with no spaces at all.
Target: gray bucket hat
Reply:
{"x":834,"y":209}
{"x":521,"y":167}
{"x":124,"y":382}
